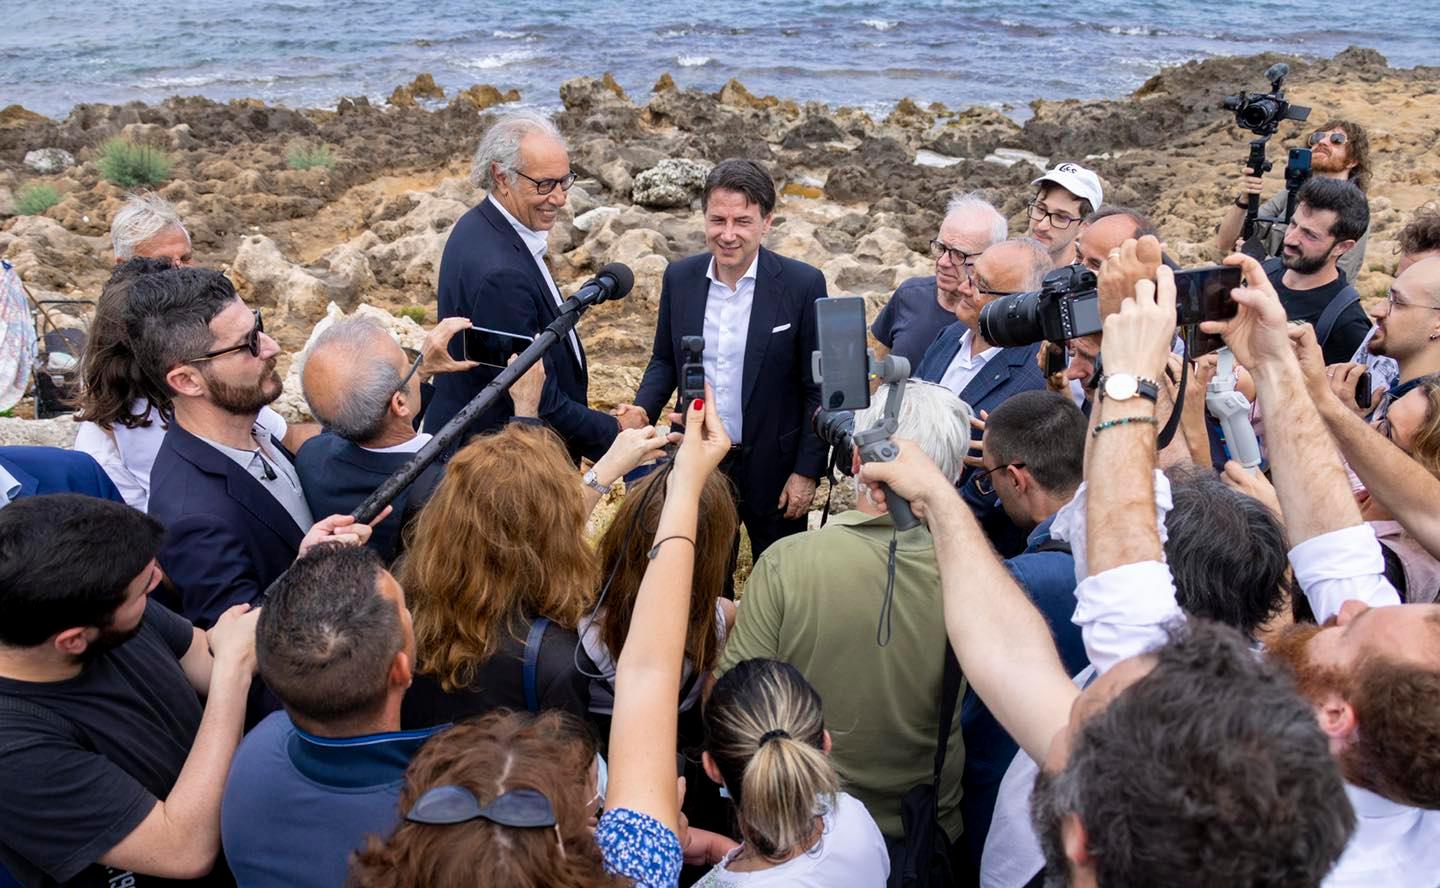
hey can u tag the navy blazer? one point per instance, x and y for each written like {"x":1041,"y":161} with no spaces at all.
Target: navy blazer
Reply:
{"x":1009,"y":373}
{"x":42,"y":470}
{"x":226,"y":539}
{"x":776,"y":415}
{"x":339,"y":475}
{"x":488,"y":275}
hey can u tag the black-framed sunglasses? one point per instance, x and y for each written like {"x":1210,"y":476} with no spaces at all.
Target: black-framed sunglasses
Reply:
{"x":1058,"y":221}
{"x":251,"y":343}
{"x":1337,"y":137}
{"x":984,"y":485}
{"x":416,"y":358}
{"x":516,"y":808}
{"x":545,"y":186}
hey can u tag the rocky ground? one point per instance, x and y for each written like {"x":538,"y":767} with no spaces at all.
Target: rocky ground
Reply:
{"x":861,"y":196}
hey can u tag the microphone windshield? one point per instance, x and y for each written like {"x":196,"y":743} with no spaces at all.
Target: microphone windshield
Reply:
{"x":621,"y":279}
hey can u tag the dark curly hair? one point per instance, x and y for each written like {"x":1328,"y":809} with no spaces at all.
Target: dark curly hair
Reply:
{"x":111,"y":380}
{"x":1422,"y":234}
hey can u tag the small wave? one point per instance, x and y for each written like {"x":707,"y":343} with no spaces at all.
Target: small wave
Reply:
{"x":197,"y":80}
{"x":878,"y":24}
{"x":693,"y":61}
{"x":497,"y":60}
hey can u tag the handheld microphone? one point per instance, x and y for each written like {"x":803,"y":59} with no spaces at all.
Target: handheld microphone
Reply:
{"x":613,"y":282}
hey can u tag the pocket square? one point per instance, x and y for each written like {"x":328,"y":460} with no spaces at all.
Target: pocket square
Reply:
{"x":781,"y":329}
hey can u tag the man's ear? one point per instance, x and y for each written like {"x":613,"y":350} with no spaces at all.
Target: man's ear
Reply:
{"x":1337,"y":720}
{"x":400,"y":404}
{"x":1075,"y":840}
{"x":1342,"y":247}
{"x":185,"y":379}
{"x":74,"y":642}
{"x":401,"y":671}
{"x":1021,"y":478}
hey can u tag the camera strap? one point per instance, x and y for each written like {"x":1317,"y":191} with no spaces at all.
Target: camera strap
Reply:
{"x":1172,"y":425}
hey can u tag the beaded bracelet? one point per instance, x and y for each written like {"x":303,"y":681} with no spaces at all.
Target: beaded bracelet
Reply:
{"x":1124,"y":420}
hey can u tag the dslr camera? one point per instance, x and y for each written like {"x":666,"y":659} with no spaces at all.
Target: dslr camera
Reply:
{"x":1068,"y":306}
{"x":1261,"y":113}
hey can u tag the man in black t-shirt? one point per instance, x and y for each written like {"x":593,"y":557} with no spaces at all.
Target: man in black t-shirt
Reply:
{"x":110,"y":769}
{"x":1330,"y":215}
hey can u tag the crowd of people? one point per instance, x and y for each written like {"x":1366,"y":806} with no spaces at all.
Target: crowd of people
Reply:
{"x":1110,"y":654}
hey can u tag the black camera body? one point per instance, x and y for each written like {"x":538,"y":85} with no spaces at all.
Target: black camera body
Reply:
{"x":836,"y":428}
{"x":1262,"y":113}
{"x":1066,"y":307}
{"x":692,"y":370}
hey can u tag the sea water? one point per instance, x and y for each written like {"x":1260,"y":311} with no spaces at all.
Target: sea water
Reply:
{"x":308,"y":53}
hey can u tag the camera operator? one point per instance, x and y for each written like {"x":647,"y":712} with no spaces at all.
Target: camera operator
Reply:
{"x":1330,"y":216}
{"x":1338,"y":150}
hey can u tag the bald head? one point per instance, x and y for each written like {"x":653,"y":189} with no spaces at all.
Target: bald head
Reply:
{"x":351,"y":375}
{"x":1106,"y":230}
{"x":1420,"y":282}
{"x":1016,"y":265}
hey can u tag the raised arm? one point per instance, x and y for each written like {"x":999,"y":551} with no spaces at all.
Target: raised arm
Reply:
{"x":1002,"y":642}
{"x":647,"y":676}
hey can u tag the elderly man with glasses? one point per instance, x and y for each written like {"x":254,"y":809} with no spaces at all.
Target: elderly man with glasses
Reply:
{"x":1339,"y":149}
{"x":494,"y":272}
{"x":224,"y":487}
{"x":924,"y":306}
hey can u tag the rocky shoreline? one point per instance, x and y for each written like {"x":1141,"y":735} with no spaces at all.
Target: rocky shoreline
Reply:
{"x":861,"y":197}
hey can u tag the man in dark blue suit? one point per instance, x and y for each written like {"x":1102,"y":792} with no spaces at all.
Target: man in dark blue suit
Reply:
{"x":232,"y":505}
{"x":366,"y":392}
{"x":756,"y":311}
{"x":35,"y":471}
{"x":493,"y":272}
{"x":984,"y":375}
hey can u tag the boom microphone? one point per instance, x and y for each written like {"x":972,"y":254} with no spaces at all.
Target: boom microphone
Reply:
{"x":613,"y":282}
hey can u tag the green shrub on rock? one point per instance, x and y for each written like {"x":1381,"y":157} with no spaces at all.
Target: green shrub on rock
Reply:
{"x":133,"y":166}
{"x":307,"y":157}
{"x":36,"y":198}
{"x":415,"y":313}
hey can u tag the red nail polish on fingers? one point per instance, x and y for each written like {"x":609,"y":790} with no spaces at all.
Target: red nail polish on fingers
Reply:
{"x":698,"y":405}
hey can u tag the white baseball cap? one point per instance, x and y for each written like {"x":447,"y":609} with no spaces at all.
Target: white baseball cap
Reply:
{"x":1077,"y":180}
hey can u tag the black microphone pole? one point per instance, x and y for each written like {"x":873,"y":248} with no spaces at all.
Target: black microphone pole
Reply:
{"x":620,"y":280}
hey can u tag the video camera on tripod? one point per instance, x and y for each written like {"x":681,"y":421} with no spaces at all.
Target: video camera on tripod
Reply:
{"x":1262,"y":114}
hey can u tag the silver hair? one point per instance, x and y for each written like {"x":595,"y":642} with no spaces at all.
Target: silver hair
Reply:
{"x":997,"y":229}
{"x":501,"y":144}
{"x":1039,"y":263}
{"x":361,"y":409}
{"x":142,"y":217}
{"x":930,"y":415}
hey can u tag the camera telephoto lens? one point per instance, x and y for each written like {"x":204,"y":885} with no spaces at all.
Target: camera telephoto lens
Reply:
{"x":1012,"y":320}
{"x":836,"y":428}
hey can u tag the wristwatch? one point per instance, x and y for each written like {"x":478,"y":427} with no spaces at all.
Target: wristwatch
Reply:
{"x":592,"y":481}
{"x":1124,"y":386}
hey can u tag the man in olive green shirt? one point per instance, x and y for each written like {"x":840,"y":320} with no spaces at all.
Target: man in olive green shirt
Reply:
{"x":814,"y":601}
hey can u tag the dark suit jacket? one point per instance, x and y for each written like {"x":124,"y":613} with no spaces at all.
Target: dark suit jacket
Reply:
{"x":42,"y":470}
{"x":226,"y":539}
{"x":776,"y":415}
{"x":338,"y":475}
{"x":488,"y":275}
{"x":1011,"y":372}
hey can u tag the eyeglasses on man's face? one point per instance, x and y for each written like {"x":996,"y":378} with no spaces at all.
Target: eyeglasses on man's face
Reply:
{"x":545,"y":186}
{"x":415,"y":359}
{"x":1393,"y":303}
{"x":962,"y":261}
{"x":1058,"y":220}
{"x":251,"y":344}
{"x":985,"y":484}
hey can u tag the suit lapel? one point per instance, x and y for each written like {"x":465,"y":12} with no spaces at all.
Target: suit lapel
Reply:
{"x":241,"y":486}
{"x":769,"y":290}
{"x":994,"y":374}
{"x":548,"y":309}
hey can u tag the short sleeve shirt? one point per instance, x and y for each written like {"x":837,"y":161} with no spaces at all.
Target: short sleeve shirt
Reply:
{"x":1351,"y":328}
{"x":911,"y":320}
{"x":134,"y":717}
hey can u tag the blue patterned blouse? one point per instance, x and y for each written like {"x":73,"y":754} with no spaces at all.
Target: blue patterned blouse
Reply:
{"x":639,"y":847}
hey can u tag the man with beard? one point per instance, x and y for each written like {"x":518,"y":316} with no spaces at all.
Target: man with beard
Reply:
{"x":1339,"y":150}
{"x":226,"y":490}
{"x":1067,"y":194}
{"x":1330,"y":215}
{"x":1407,"y":330}
{"x":924,"y":306}
{"x":110,"y":767}
{"x":1242,"y":790}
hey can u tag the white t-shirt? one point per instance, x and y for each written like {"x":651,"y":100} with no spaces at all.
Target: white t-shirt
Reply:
{"x":127,"y":454}
{"x":850,"y":853}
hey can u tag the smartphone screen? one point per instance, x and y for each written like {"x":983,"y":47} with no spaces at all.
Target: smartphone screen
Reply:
{"x":844,"y":362}
{"x":1203,"y":294}
{"x":493,"y":348}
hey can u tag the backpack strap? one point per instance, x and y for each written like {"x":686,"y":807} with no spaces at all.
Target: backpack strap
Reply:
{"x":47,"y":715}
{"x":1053,"y":545}
{"x":1343,"y":300}
{"x":949,"y":699}
{"x":532,"y":663}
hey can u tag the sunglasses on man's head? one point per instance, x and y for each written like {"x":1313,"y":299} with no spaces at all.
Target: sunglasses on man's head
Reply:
{"x":250,"y":343}
{"x":1337,"y":137}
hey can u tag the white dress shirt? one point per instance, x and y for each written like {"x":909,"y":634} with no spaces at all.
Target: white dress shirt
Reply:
{"x":966,"y":366}
{"x":9,"y":486}
{"x":538,"y":243}
{"x":273,"y":470}
{"x":727,"y":326}
{"x":411,"y":446}
{"x":127,"y":455}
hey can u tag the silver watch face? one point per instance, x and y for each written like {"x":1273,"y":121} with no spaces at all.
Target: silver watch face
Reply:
{"x":1121,"y":386}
